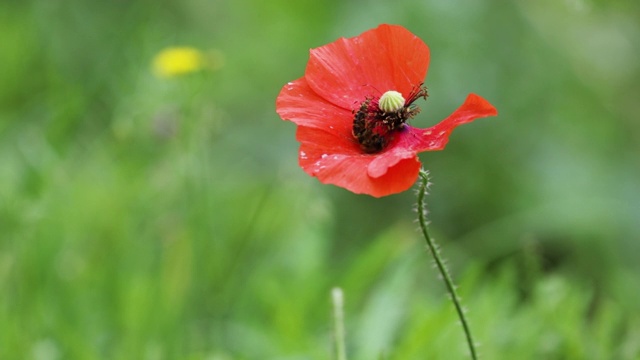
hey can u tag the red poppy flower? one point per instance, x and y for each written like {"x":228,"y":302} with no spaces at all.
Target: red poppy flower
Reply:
{"x":352,"y":106}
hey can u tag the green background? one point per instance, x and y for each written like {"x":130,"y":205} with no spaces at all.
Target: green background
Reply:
{"x":150,"y":218}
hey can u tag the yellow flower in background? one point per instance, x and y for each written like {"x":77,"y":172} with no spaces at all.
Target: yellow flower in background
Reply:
{"x":176,"y":61}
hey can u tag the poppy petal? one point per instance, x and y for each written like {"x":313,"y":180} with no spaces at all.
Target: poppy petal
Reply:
{"x":327,"y":157}
{"x":347,"y":71}
{"x":388,"y":159}
{"x":301,"y":105}
{"x":436,"y":137}
{"x":329,"y":143}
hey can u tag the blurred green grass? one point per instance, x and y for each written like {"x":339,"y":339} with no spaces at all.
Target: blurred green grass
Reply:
{"x":149,"y":218}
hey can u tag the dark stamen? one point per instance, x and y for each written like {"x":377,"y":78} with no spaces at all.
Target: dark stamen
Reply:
{"x":374,"y":128}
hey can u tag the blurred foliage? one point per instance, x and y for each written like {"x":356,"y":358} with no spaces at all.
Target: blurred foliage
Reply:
{"x":166,"y":218}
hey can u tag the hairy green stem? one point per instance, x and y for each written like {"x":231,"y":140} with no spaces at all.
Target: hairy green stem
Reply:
{"x":422,"y":218}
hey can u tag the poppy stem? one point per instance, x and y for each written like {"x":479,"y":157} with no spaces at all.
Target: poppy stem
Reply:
{"x":433,"y":248}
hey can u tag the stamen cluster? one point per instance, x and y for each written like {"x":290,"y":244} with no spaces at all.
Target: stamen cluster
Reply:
{"x":373,"y":127}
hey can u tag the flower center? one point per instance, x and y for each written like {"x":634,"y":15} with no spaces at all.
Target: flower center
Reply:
{"x":377,"y":120}
{"x":391,"y":101}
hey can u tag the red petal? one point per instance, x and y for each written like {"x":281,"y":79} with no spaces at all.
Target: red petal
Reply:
{"x":334,"y":161}
{"x":388,"y":159}
{"x":388,"y":57}
{"x":298,"y":103}
{"x":436,"y":137}
{"x":325,"y":142}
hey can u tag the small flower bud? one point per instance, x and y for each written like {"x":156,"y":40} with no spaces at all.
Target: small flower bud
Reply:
{"x":391,"y":101}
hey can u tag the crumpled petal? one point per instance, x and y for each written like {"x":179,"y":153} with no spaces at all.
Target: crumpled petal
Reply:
{"x":437,"y":136}
{"x":347,"y":71}
{"x":335,"y":161}
{"x":389,"y":158}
